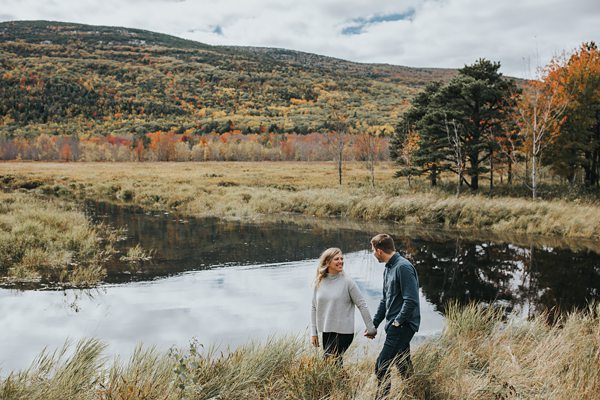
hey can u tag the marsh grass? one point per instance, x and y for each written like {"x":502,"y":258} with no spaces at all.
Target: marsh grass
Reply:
{"x":51,"y":242}
{"x":137,"y":255}
{"x":250,"y":190}
{"x":480,"y":355}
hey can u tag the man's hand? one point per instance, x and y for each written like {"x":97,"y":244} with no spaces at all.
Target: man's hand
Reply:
{"x":314,"y":340}
{"x":370,"y":335}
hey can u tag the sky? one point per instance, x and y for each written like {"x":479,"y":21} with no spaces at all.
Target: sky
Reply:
{"x":521,"y":34}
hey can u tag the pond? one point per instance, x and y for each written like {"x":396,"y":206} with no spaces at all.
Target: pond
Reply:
{"x":228,"y":282}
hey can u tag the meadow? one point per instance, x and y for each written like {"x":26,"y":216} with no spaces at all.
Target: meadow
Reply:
{"x":252,"y":190}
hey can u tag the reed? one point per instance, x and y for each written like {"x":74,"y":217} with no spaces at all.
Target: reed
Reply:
{"x":480,"y":355}
{"x":50,"y":242}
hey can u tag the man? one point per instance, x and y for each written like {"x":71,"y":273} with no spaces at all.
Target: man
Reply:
{"x":400,"y":307}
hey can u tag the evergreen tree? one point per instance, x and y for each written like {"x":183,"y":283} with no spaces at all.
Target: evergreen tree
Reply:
{"x":476,"y":103}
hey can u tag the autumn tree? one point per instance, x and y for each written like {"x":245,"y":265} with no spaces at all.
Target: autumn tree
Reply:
{"x":403,"y":146}
{"x":576,"y":81}
{"x":337,"y":127}
{"x":540,"y":112}
{"x":367,"y":144}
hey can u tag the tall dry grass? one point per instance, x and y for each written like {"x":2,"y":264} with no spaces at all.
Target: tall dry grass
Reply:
{"x":250,"y":190}
{"x":480,"y":355}
{"x":51,"y":242}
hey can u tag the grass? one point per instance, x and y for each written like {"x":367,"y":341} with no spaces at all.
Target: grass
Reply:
{"x":51,"y":242}
{"x":136,"y":255}
{"x":478,"y":356}
{"x":250,"y":190}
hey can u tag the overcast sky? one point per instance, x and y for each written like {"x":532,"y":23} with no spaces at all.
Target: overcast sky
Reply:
{"x":521,"y":34}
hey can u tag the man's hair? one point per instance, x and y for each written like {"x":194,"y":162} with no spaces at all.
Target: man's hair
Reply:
{"x":384,"y":242}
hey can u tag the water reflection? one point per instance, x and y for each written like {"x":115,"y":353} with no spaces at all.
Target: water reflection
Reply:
{"x":224,"y":306}
{"x":525,"y":280}
{"x":192,"y":244}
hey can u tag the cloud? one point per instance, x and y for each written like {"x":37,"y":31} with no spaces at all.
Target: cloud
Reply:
{"x":421,"y":33}
{"x":218,"y":30}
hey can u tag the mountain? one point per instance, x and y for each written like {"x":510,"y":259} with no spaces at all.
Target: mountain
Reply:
{"x":67,"y":78}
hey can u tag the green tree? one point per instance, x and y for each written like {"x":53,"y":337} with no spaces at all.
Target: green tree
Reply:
{"x":463,"y":118}
{"x":480,"y":99}
{"x":432,"y":155}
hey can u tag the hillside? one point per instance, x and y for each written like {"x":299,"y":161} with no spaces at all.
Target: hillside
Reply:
{"x":65,"y":78}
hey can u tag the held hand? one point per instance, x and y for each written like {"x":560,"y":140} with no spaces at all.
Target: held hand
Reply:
{"x":314,"y":340}
{"x":370,"y":335}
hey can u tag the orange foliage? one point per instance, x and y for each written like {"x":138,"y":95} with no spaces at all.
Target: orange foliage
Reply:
{"x":65,"y":152}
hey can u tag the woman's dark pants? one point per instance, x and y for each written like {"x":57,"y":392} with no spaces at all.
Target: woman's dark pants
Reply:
{"x":336,"y":344}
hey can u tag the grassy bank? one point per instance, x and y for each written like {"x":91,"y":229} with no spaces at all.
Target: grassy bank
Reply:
{"x":249,"y":190}
{"x":477,"y":357}
{"x":50,"y":242}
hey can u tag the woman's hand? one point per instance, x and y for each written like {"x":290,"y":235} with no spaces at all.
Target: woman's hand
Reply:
{"x":314,"y":340}
{"x":370,"y":333}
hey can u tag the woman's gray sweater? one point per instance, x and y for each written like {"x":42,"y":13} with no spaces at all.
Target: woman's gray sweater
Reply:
{"x":333,"y":306}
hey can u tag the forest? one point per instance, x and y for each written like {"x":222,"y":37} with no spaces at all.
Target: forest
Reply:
{"x":78,"y":92}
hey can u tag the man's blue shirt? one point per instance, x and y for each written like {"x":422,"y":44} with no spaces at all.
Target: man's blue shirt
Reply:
{"x":400,"y":300}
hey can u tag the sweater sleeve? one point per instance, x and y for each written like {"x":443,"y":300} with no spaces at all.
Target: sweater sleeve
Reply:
{"x":380,"y":314}
{"x":313,"y":314}
{"x":360,"y":302}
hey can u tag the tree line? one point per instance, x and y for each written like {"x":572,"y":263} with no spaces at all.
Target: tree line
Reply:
{"x":187,"y":146}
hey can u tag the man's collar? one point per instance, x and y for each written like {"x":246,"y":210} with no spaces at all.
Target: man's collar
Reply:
{"x":392,"y":259}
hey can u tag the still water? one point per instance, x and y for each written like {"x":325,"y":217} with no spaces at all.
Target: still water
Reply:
{"x":226,"y":283}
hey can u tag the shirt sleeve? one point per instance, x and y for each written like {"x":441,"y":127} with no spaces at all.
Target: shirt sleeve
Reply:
{"x":410,"y":292}
{"x":360,"y":303}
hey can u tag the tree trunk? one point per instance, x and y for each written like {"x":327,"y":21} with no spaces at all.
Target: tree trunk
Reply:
{"x":533,"y":176}
{"x":509,"y":173}
{"x":340,"y":155}
{"x":491,"y":170}
{"x":526,"y":167}
{"x":474,"y":173}
{"x":433,"y":176}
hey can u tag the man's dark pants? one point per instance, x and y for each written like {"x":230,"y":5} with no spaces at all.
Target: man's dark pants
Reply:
{"x":396,"y":350}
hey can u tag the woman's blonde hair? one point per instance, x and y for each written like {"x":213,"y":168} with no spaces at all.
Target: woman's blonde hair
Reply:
{"x":324,"y":261}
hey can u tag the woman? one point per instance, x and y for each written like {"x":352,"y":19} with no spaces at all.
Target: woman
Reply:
{"x":334,"y":299}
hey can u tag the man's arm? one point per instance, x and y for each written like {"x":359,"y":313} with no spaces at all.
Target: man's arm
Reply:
{"x":410,"y":292}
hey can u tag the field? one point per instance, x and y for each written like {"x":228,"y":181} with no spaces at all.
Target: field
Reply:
{"x":252,"y":190}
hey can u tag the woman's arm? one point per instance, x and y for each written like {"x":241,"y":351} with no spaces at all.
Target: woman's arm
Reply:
{"x":313,"y":320}
{"x":360,"y":302}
